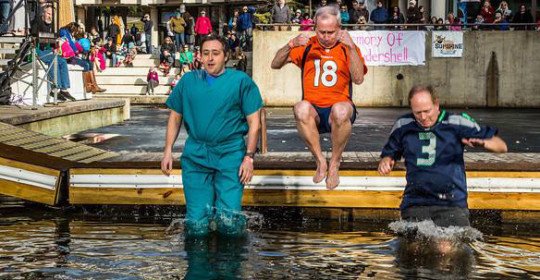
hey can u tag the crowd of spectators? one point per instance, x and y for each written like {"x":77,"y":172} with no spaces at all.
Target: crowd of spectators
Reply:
{"x":356,"y":14}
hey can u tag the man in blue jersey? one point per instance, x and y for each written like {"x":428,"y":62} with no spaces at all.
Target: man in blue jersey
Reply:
{"x":219,"y":107}
{"x":432,"y":141}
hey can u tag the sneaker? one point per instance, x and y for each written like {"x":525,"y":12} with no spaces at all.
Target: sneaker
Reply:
{"x":60,"y":97}
{"x":66,"y":95}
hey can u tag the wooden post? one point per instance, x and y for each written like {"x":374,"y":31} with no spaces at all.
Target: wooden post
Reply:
{"x":264,"y":138}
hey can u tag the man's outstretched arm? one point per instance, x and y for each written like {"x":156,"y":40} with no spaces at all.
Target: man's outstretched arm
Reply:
{"x":494,"y":144}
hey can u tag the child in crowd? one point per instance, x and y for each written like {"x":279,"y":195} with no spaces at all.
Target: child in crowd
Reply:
{"x":306,"y":24}
{"x":153,"y":81}
{"x":173,"y":83}
{"x":186,"y":59}
{"x":97,"y":57}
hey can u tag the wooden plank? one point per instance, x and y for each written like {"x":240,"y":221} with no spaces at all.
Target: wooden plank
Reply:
{"x":16,"y":136}
{"x":520,"y":216}
{"x":27,"y":192}
{"x":104,"y":171}
{"x":110,"y":196}
{"x":375,"y":214}
{"x":99,"y":157}
{"x":88,"y":154}
{"x":322,"y":198}
{"x":29,"y":140}
{"x":308,"y":198}
{"x":503,"y":174}
{"x":29,"y":167}
{"x":71,"y":151}
{"x":45,"y":143}
{"x":59,"y":147}
{"x":504,"y":201}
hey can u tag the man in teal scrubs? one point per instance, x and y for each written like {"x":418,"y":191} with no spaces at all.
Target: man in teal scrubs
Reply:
{"x":219,"y":107}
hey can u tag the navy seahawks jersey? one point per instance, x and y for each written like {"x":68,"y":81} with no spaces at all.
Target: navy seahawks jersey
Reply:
{"x":434,"y":158}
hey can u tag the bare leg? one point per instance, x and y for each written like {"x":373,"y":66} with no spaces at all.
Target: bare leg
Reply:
{"x":306,"y":123}
{"x":341,"y":131}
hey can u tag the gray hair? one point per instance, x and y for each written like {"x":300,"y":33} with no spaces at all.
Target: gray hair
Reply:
{"x":326,"y":12}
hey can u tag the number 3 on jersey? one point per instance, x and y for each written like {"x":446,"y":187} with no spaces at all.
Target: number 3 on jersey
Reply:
{"x":329,"y":76}
{"x":429,"y":149}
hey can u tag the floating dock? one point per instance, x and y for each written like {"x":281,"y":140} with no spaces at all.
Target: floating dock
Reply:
{"x":55,"y":171}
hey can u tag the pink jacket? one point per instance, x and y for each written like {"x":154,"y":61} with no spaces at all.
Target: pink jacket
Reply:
{"x":100,"y":56}
{"x":152,"y":76}
{"x":203,"y":26}
{"x":305,"y":25}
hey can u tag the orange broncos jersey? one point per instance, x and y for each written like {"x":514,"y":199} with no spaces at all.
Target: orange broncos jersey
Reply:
{"x":326,"y":78}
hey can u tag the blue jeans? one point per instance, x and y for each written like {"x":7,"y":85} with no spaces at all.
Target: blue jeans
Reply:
{"x":5,"y":9}
{"x":114,"y":60}
{"x":179,"y":41}
{"x":85,"y":64}
{"x":148,"y":42}
{"x":47,"y":57}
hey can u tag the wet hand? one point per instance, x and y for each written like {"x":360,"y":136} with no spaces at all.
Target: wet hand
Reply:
{"x":386,"y":165}
{"x":345,"y":38}
{"x":246,"y":170}
{"x":473,"y":142}
{"x":166,"y":164}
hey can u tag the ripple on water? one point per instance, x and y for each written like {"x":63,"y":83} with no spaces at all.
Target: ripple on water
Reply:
{"x":76,"y":249}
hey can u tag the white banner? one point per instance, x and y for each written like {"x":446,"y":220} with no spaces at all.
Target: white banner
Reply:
{"x":392,"y":47}
{"x":447,"y":44}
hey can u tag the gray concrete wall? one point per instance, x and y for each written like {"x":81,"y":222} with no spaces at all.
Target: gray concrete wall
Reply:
{"x":460,"y":82}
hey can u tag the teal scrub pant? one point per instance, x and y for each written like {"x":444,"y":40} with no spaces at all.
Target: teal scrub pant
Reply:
{"x":212,"y":187}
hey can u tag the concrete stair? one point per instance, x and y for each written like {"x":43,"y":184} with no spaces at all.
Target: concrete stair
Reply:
{"x":130,"y":82}
{"x":8,"y":48}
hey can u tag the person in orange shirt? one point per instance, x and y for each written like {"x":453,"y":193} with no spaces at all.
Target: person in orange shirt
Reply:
{"x":330,"y":63}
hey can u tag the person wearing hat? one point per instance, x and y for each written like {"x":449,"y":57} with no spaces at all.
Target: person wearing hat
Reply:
{"x":297,"y":17}
{"x":344,"y":14}
{"x":245,"y":27}
{"x":178,"y":27}
{"x":203,"y":27}
{"x":413,"y":13}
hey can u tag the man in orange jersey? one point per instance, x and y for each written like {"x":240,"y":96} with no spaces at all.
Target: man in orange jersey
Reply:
{"x":330,"y":63}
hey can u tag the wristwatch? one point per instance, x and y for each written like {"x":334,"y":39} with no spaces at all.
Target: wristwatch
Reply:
{"x":250,"y":154}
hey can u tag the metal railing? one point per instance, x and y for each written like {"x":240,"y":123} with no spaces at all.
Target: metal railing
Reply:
{"x":407,"y":26}
{"x":28,"y":51}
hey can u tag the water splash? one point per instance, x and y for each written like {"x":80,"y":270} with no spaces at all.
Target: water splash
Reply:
{"x":427,"y":230}
{"x":250,"y":221}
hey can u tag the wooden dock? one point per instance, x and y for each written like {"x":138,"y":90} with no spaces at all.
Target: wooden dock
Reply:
{"x":54,"y":171}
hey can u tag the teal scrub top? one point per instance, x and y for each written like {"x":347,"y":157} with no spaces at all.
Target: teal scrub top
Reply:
{"x":215,"y":113}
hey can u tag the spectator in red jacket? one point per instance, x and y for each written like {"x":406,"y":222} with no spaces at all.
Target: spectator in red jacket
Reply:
{"x":203,"y":27}
{"x":487,"y":12}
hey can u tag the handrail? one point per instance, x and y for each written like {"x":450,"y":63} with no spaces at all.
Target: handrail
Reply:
{"x":464,"y":25}
{"x":5,"y":25}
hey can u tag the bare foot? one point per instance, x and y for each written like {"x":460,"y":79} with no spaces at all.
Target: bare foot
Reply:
{"x":332,"y":180}
{"x":321,"y":171}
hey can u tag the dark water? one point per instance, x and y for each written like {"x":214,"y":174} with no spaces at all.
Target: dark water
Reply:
{"x":145,"y":131}
{"x":83,"y":243}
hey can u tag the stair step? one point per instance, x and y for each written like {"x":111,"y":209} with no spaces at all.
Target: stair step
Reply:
{"x":4,"y":62}
{"x":132,"y":90}
{"x":8,"y":51}
{"x":11,"y":39}
{"x":146,"y":62}
{"x":136,"y":99}
{"x":131,"y":71}
{"x":131,"y":80}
